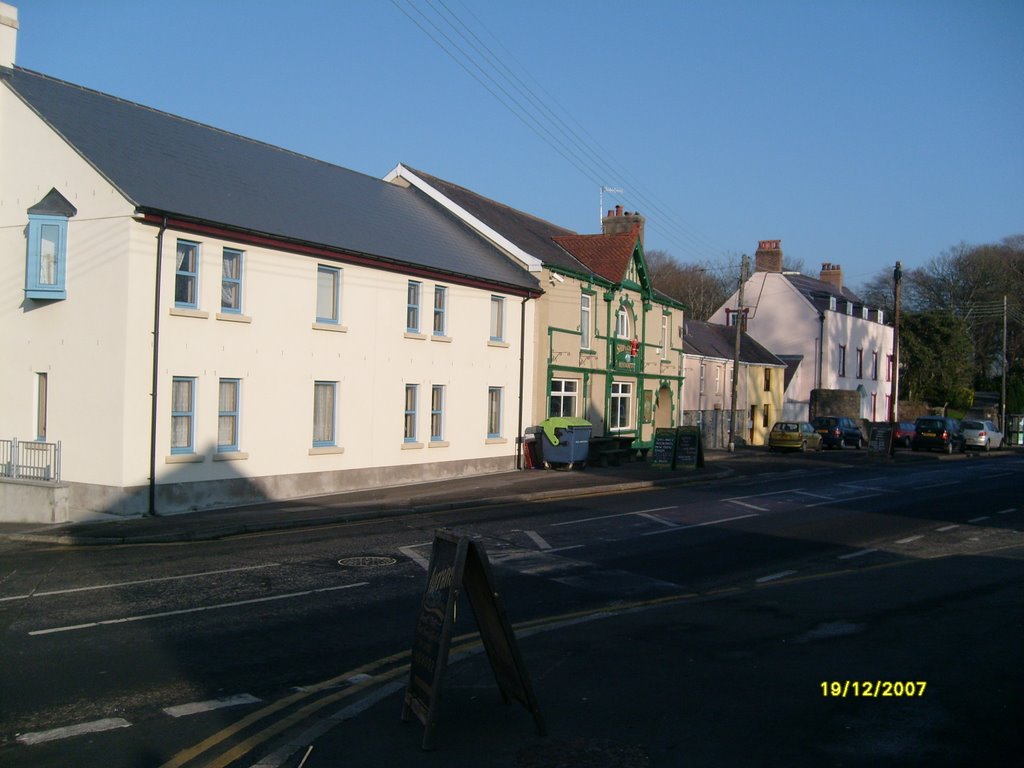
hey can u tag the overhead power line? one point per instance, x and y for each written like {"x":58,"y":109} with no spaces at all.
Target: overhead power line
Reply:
{"x":460,"y":42}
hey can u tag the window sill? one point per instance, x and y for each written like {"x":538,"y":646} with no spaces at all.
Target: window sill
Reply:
{"x":324,"y":450}
{"x":496,"y":441}
{"x":185,"y":458}
{"x":415,"y":335}
{"x":411,"y":446}
{"x":333,"y":327}
{"x":231,"y":456}
{"x":588,"y":352}
{"x":437,"y":444}
{"x":496,"y":343}
{"x":445,"y":339}
{"x":233,"y":317}
{"x":186,"y":312}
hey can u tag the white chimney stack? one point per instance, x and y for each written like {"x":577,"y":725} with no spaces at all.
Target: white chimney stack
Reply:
{"x":8,"y":34}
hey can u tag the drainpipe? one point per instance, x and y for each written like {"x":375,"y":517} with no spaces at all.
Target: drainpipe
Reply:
{"x":156,"y":368}
{"x":522,"y":364}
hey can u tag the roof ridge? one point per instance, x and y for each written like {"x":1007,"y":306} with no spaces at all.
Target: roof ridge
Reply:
{"x":184,"y":120}
{"x":492,"y":201}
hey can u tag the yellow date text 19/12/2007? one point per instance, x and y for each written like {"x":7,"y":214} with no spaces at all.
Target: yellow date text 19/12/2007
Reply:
{"x":872,"y":689}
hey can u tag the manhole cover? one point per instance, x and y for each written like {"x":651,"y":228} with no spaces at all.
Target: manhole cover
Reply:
{"x":366,"y":562}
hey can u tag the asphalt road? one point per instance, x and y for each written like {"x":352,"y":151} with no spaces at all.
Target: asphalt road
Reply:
{"x":697,"y":624}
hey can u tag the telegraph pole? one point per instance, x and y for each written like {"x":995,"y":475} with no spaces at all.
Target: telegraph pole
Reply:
{"x":738,"y":320}
{"x":1002,"y":399}
{"x":894,"y":393}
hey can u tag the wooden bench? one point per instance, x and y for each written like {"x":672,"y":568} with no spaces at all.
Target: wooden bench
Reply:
{"x":605,"y":451}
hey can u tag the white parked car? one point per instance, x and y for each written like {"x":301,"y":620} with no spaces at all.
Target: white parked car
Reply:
{"x":981,"y":434}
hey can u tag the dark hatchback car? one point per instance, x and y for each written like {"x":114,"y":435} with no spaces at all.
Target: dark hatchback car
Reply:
{"x":837,"y":431}
{"x":937,"y":433}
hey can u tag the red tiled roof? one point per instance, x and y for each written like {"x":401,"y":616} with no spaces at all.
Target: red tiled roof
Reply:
{"x":605,"y":255}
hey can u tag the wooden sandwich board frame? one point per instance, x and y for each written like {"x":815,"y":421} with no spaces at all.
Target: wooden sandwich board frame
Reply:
{"x":459,"y":564}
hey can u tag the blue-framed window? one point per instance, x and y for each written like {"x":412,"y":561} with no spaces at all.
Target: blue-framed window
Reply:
{"x":494,"y":398}
{"x":440,"y":310}
{"x":45,"y":272}
{"x":497,"y":318}
{"x":186,"y":275}
{"x":325,"y":418}
{"x":183,"y":414}
{"x":227,"y":415}
{"x":412,"y":394}
{"x":328,"y":294}
{"x":412,"y":306}
{"x":437,"y":413}
{"x":47,"y":255}
{"x":231,"y":281}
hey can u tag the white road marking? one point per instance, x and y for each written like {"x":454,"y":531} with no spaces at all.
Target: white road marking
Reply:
{"x":941,"y":485}
{"x":978,"y":519}
{"x":948,"y":527}
{"x":774,"y":576}
{"x":697,"y":525}
{"x":115,"y":585}
{"x":859,"y":553}
{"x":609,"y":517}
{"x":196,"y":707}
{"x":748,"y":506}
{"x":537,"y":539}
{"x":813,"y":495}
{"x":658,"y":520}
{"x":1006,"y":511}
{"x":219,"y":606}
{"x":843,"y":500}
{"x":909,"y":539}
{"x":96,"y":726}
{"x":415,"y":556}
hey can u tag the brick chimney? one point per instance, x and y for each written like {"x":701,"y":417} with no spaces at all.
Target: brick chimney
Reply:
{"x":833,"y":275}
{"x":8,"y":34}
{"x":768,"y":257}
{"x":619,"y":221}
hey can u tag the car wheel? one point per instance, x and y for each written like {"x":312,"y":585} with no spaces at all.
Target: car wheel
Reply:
{"x":860,"y":443}
{"x":988,"y":446}
{"x":949,"y":448}
{"x":803,"y":447}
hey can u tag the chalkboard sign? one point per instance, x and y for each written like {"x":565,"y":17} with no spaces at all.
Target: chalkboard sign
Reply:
{"x":663,"y":452}
{"x":434,"y":631}
{"x":457,"y":563}
{"x":689,"y":448}
{"x":880,"y":441}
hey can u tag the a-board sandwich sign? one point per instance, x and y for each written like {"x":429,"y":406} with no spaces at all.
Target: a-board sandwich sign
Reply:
{"x":663,"y":451}
{"x":459,"y":564}
{"x":689,"y":448}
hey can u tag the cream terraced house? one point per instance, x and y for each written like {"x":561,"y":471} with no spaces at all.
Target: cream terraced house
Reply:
{"x":201,"y":319}
{"x":607,"y":345}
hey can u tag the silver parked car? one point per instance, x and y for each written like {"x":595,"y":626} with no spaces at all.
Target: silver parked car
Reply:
{"x":981,"y":434}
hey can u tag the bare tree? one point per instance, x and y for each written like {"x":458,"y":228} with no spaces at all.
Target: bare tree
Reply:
{"x":703,"y":287}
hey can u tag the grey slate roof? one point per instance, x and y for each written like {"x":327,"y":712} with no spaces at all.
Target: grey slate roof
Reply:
{"x":714,"y":340}
{"x":530,"y":233}
{"x":169,"y":165}
{"x":819,"y":290}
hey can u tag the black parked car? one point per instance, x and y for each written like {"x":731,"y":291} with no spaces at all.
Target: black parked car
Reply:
{"x":937,"y":433}
{"x":837,"y":431}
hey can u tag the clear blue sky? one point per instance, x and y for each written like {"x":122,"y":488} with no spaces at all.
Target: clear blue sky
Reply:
{"x":857,"y":132}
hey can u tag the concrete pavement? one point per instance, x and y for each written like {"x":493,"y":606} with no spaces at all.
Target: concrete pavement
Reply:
{"x":455,"y":493}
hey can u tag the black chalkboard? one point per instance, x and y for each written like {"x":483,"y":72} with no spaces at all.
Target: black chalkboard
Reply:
{"x":458,"y":563}
{"x":880,"y":440}
{"x":663,"y":452}
{"x":689,"y":448}
{"x":434,"y":631}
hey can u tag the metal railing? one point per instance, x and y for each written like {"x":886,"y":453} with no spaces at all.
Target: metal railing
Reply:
{"x":30,"y":460}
